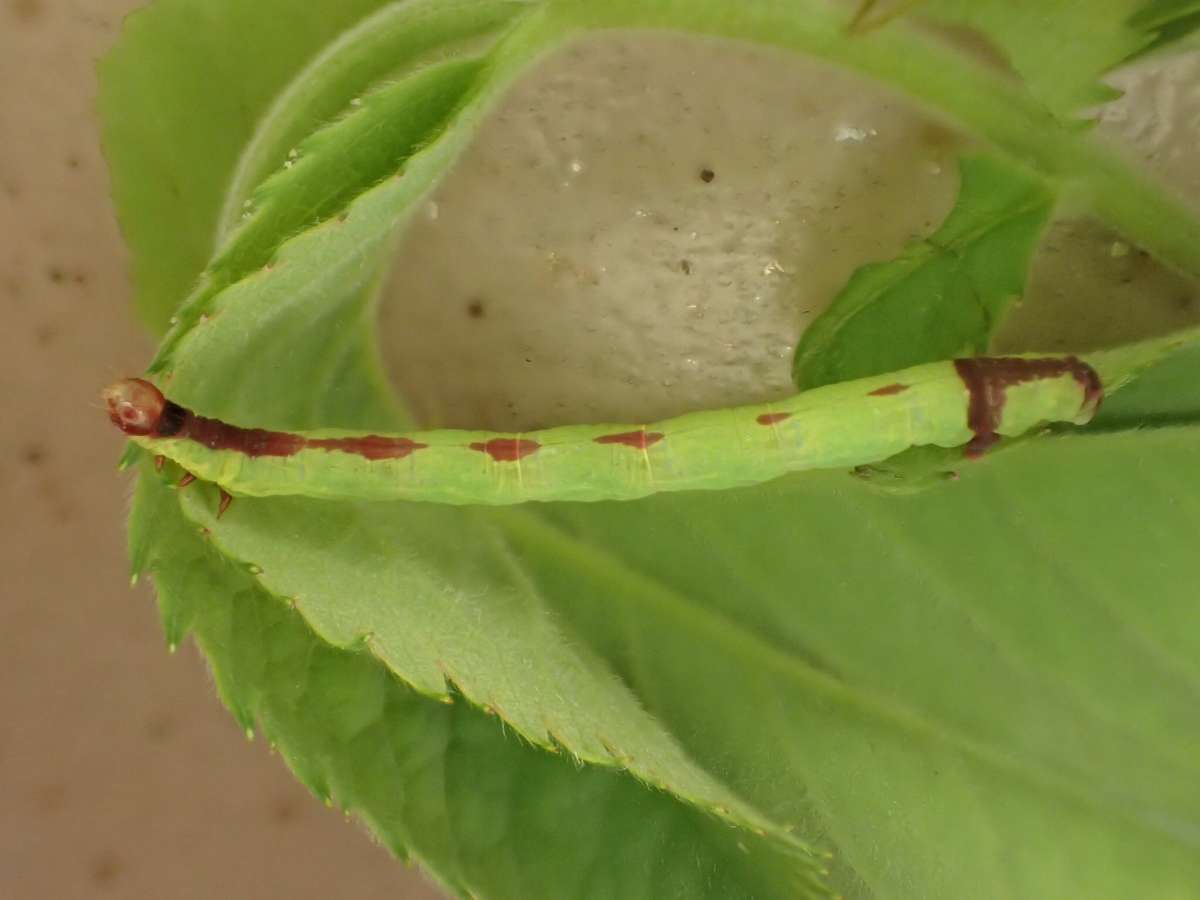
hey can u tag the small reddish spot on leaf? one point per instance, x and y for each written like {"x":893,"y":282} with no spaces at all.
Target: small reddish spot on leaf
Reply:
{"x":638,"y":440}
{"x":507,"y":449}
{"x":889,"y":390}
{"x":773,"y":418}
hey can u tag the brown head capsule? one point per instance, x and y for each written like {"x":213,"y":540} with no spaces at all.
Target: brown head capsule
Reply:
{"x":135,"y":406}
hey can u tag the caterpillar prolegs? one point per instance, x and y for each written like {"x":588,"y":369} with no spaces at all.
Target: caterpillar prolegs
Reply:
{"x":965,"y":402}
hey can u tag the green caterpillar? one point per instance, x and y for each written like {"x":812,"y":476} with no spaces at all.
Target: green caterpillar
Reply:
{"x":971,"y":402}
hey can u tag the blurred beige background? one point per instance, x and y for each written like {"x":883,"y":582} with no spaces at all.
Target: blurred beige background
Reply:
{"x":120,"y":773}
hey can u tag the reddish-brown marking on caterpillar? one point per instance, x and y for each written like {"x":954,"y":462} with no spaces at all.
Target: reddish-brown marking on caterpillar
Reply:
{"x":988,"y":379}
{"x":187,"y":479}
{"x":889,"y":391}
{"x":138,"y":408}
{"x":226,"y":499}
{"x":773,"y":418}
{"x":638,"y":440}
{"x":370,"y":447}
{"x":507,"y":449}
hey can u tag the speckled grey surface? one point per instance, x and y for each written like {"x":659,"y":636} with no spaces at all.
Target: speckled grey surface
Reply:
{"x":576,"y":266}
{"x":616,"y":282}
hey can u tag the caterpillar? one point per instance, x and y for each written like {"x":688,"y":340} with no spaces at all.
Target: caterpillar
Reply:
{"x":970,"y":403}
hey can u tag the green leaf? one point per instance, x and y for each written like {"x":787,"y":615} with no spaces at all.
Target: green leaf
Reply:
{"x":332,"y":168}
{"x":433,"y":593}
{"x":176,"y":126}
{"x":645,"y":696}
{"x":1160,"y":13}
{"x":1060,"y":47}
{"x":1165,"y":391}
{"x":175,"y":123}
{"x":396,"y":42}
{"x":441,"y":782}
{"x":930,"y":714}
{"x":987,"y":689}
{"x":1169,"y":20}
{"x":319,"y":228}
{"x":872,"y":14}
{"x":944,"y":296}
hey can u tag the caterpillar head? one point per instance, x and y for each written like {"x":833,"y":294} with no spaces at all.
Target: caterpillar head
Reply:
{"x":135,"y":406}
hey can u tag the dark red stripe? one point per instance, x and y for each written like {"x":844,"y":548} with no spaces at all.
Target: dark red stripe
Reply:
{"x":507,"y":449}
{"x":890,"y":391}
{"x":218,"y":435}
{"x":638,"y":440}
{"x":373,"y":446}
{"x":773,"y":418}
{"x":256,"y":442}
{"x":137,"y":407}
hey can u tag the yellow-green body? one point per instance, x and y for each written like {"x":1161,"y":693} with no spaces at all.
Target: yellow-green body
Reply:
{"x":837,"y":426}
